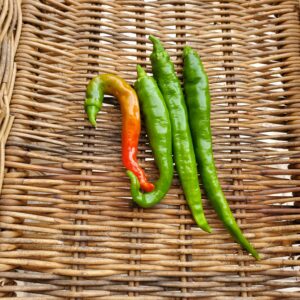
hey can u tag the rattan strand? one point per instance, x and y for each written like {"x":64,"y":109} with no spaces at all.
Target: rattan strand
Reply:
{"x":68,"y":228}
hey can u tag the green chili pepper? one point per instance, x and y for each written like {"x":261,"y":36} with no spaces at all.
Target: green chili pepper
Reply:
{"x":158,"y":127}
{"x":169,"y":84}
{"x":197,"y":95}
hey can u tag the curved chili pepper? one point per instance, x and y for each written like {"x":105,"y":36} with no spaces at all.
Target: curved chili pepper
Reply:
{"x":131,"y":123}
{"x":159,"y":132}
{"x":169,"y":84}
{"x":197,"y":95}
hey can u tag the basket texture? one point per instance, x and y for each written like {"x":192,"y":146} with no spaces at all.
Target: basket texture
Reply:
{"x":10,"y":29}
{"x":68,"y":227}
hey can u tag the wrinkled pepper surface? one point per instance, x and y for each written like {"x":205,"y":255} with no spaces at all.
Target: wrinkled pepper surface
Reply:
{"x":197,"y":97}
{"x":158,"y":128}
{"x":184,"y":156}
{"x":131,"y":123}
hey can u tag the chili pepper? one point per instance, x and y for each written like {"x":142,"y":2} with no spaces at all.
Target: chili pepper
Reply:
{"x":184,"y":156}
{"x":197,"y":97}
{"x":131,"y":123}
{"x":159,"y":132}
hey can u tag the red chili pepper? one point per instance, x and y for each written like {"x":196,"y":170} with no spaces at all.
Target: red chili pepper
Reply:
{"x":131,"y":122}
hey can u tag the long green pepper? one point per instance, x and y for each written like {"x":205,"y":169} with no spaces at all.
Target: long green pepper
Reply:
{"x":184,"y":156}
{"x":197,"y":97}
{"x":158,"y":128}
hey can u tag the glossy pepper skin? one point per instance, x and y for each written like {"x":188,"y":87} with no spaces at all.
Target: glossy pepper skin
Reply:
{"x":131,"y":122}
{"x":197,"y":97}
{"x":184,"y":156}
{"x":158,"y":128}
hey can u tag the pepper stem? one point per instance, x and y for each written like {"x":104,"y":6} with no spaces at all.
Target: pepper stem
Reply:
{"x":134,"y":184}
{"x":140,"y":71}
{"x":157,"y":45}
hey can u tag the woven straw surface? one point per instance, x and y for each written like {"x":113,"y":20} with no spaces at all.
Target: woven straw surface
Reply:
{"x":68,"y":227}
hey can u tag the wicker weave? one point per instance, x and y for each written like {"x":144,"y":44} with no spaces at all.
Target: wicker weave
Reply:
{"x":69,"y":229}
{"x":10,"y":29}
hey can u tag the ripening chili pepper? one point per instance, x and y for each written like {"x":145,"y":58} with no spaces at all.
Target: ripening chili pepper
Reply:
{"x":197,"y":97}
{"x":131,"y":123}
{"x":158,"y":128}
{"x":184,"y":156}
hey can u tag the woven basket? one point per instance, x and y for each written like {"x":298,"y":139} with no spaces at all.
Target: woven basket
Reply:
{"x":68,"y":227}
